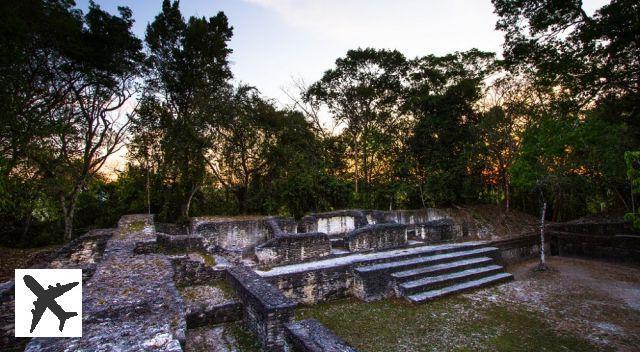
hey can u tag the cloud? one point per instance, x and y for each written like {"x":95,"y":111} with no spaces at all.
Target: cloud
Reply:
{"x":413,"y":26}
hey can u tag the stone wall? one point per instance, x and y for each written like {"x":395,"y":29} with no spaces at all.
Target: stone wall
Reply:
{"x":293,"y":248}
{"x":377,"y":237}
{"x":191,"y":269}
{"x":417,"y":221}
{"x":171,"y":229}
{"x":265,"y":309}
{"x":433,"y":231}
{"x":620,"y":248}
{"x":513,"y":250}
{"x":238,"y":235}
{"x":317,"y":285}
{"x":407,"y":217}
{"x":311,"y":336}
{"x":333,"y":223}
{"x":180,"y":242}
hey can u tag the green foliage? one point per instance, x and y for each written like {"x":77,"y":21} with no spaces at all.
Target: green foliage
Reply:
{"x":63,"y":73}
{"x":553,"y":119}
{"x":188,"y":74}
{"x":442,"y":98}
{"x":363,"y":92}
{"x":632,"y":161}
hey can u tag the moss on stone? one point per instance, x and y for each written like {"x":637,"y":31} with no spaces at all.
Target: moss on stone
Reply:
{"x":135,"y":226}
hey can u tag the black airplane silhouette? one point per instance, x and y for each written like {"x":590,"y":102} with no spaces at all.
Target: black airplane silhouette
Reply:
{"x":47,"y":299}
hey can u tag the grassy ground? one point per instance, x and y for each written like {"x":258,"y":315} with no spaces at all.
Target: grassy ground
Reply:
{"x":453,"y":324}
{"x":582,"y":305}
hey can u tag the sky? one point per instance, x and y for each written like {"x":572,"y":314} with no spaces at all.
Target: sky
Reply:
{"x":277,"y":41}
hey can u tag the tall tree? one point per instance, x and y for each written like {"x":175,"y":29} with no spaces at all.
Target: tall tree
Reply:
{"x":364,"y":93}
{"x":442,"y":97}
{"x":189,"y":73}
{"x":241,"y":142}
{"x":588,"y":64}
{"x":89,"y":68}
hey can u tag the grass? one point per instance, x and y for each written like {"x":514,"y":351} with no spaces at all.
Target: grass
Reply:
{"x":245,"y":340}
{"x":453,"y":324}
{"x":241,"y":340}
{"x":135,"y":226}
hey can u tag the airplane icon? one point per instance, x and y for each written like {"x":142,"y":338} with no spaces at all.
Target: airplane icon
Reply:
{"x":47,"y":299}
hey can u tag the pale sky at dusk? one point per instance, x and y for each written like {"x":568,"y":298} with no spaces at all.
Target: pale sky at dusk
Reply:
{"x":275,"y":40}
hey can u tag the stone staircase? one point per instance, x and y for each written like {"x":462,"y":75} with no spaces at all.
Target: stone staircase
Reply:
{"x":428,"y":275}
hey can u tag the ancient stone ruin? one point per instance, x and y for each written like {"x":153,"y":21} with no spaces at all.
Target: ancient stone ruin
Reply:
{"x":161,"y":287}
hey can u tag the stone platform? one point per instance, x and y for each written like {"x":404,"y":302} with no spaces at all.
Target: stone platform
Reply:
{"x":130,"y":303}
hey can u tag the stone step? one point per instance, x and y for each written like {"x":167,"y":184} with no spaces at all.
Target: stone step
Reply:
{"x":435,"y":282}
{"x":359,"y":260}
{"x":429,"y":250}
{"x":461,"y":287}
{"x":428,"y":260}
{"x":439,"y":269}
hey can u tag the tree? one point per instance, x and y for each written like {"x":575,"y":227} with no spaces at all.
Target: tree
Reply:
{"x":189,"y":73}
{"x":241,"y":142}
{"x":364,"y":93}
{"x":588,"y":56}
{"x":89,"y":68}
{"x":588,"y":67}
{"x":507,"y":108}
{"x":632,"y":160}
{"x":442,"y":96}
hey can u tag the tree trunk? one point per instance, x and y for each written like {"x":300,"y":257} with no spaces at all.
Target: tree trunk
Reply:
{"x":67,"y":213}
{"x":187,"y":206}
{"x":507,"y":192}
{"x":355,"y":159}
{"x":542,"y":215}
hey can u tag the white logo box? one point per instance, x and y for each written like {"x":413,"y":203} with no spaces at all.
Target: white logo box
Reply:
{"x":69,"y":301}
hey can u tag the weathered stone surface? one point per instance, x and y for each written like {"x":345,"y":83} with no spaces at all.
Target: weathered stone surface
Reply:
{"x":335,"y":222}
{"x":434,"y":231}
{"x":265,"y":309}
{"x":130,"y":303}
{"x":513,"y":250}
{"x":192,"y":269}
{"x":184,"y":243}
{"x":208,"y":305}
{"x":293,"y":248}
{"x":311,"y":336}
{"x":377,"y":237}
{"x":171,"y":229}
{"x":407,"y":217}
{"x":419,"y":219}
{"x":220,"y":338}
{"x":238,"y":235}
{"x":83,"y":253}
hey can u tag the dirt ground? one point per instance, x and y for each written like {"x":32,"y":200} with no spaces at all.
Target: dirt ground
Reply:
{"x":596,"y":300}
{"x":501,"y":223}
{"x":14,"y":258}
{"x":582,"y":305}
